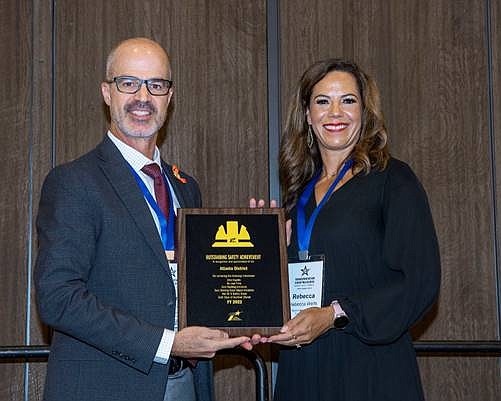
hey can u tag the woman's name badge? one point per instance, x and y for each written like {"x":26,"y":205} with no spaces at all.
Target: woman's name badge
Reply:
{"x":306,"y":279}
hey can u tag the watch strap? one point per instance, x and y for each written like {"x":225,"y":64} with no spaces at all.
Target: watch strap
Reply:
{"x":340,"y":317}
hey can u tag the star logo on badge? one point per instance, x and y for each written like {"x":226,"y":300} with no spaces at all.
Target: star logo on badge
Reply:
{"x":304,"y":271}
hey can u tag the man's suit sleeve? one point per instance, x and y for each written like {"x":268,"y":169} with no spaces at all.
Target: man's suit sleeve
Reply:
{"x":68,"y":227}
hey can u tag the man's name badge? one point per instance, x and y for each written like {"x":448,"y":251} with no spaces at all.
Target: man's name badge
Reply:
{"x":306,"y":278}
{"x":173,"y":271}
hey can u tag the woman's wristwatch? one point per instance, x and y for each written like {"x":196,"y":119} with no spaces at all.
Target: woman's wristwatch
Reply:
{"x":340,"y":317}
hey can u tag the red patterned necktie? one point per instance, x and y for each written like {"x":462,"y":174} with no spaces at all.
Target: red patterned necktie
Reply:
{"x":153,"y":170}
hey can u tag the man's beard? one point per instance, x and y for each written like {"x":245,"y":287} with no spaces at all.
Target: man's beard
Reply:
{"x":151,"y":126}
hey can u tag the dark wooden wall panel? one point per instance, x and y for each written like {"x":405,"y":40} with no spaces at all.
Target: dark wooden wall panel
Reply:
{"x":460,"y":378}
{"x":84,"y":33}
{"x":458,"y":139}
{"x":495,"y":27}
{"x":430,"y":62}
{"x":219,"y":123}
{"x":41,"y":161}
{"x":15,"y":121}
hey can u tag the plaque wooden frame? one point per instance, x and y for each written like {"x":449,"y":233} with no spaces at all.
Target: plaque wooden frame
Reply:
{"x":186,"y":301}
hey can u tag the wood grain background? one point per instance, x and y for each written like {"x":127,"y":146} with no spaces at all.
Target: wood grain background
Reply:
{"x":15,"y":121}
{"x":438,"y":67}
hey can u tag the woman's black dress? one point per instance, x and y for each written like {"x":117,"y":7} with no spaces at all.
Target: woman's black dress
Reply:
{"x":382,"y":263}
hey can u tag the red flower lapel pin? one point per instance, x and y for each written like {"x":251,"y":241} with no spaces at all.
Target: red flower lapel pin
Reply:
{"x":175,"y":171}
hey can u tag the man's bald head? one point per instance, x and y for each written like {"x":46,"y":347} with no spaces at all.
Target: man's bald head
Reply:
{"x":135,"y":46}
{"x":137,"y":116}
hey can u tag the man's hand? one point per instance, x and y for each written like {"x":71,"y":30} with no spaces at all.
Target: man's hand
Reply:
{"x":202,"y":342}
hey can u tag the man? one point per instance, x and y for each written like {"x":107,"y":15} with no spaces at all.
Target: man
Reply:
{"x":102,"y":277}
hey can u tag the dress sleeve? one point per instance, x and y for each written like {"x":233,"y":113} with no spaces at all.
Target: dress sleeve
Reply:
{"x":411,"y":265}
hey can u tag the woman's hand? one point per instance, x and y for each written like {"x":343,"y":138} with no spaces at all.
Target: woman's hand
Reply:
{"x":308,"y":325}
{"x":260,"y":203}
{"x":273,"y":203}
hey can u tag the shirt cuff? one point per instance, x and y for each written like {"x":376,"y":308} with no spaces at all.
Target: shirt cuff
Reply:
{"x":165,"y":347}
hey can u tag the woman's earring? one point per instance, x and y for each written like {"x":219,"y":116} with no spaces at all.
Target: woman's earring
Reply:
{"x":309,"y":138}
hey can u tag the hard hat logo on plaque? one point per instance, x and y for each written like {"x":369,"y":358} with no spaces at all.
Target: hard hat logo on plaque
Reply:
{"x":232,"y":236}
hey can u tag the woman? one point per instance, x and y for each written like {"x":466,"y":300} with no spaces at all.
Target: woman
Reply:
{"x":375,"y":231}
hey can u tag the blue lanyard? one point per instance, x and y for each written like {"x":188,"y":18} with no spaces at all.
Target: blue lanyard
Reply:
{"x":304,"y":229}
{"x":166,"y":226}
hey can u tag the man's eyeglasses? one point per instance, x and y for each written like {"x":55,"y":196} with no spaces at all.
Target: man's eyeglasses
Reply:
{"x":131,"y":85}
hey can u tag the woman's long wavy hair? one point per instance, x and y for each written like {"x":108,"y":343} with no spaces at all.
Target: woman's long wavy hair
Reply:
{"x":298,"y":162}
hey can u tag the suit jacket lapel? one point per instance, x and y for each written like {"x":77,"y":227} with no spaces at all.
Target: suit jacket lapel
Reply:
{"x":117,"y":172}
{"x":179,"y":190}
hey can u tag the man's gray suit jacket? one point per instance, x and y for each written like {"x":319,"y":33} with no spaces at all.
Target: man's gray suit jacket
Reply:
{"x":103,"y":282}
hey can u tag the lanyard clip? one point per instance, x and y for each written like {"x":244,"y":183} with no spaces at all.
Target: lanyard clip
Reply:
{"x":303,"y":255}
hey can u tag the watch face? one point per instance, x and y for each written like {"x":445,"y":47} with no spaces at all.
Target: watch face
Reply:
{"x":341,"y":321}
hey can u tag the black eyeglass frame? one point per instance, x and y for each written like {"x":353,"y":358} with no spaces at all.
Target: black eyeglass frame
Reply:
{"x":141,"y":82}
